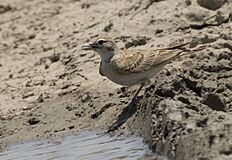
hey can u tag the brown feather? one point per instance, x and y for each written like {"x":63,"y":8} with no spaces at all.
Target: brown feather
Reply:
{"x":141,"y":60}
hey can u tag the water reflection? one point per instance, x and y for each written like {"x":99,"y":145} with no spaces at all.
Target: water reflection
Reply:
{"x":84,"y":146}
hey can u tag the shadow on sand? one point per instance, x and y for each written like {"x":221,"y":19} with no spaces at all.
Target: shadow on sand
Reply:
{"x":127,"y":112}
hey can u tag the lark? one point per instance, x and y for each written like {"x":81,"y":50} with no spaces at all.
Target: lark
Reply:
{"x":131,"y":67}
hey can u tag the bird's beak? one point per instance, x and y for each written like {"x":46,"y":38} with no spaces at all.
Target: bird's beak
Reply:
{"x":89,"y":46}
{"x":86,"y":46}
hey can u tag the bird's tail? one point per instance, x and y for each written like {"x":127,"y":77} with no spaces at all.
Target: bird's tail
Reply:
{"x":181,"y":46}
{"x":185,"y":48}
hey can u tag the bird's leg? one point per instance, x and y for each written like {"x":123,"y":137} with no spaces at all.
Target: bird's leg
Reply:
{"x":137,"y":92}
{"x":127,"y":112}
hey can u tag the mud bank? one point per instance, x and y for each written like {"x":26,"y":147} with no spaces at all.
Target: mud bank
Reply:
{"x":191,"y":107}
{"x":50,"y":88}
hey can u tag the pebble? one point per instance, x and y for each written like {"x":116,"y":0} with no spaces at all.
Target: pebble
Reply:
{"x":211,"y":4}
{"x":33,"y":121}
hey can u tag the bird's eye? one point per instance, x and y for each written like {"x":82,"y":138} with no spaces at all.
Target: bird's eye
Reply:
{"x":100,"y":42}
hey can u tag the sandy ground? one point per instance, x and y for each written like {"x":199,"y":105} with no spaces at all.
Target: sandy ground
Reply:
{"x":50,"y":88}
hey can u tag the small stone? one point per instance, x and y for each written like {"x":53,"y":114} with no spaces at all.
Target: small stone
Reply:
{"x":85,"y":5}
{"x":32,"y":36}
{"x":111,"y":94}
{"x":54,"y":57}
{"x":10,"y":75}
{"x":71,"y":107}
{"x":138,"y":41}
{"x":21,"y":70}
{"x":211,"y":4}
{"x":82,"y":54}
{"x":71,"y":127}
{"x":40,"y":99}
{"x":26,"y":95}
{"x":26,"y":108}
{"x":108,"y":27}
{"x":158,"y":31}
{"x":78,"y":114}
{"x":85,"y":98}
{"x":46,"y":66}
{"x":33,"y":121}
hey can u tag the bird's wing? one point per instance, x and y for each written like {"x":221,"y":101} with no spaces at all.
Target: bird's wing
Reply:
{"x":133,"y":61}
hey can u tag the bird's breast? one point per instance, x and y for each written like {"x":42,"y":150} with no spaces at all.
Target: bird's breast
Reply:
{"x":121,"y":79}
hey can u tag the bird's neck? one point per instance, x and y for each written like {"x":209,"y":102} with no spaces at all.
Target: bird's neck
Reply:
{"x":107,"y":58}
{"x":109,"y":55}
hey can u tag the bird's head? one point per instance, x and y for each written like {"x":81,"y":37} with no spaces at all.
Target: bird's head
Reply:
{"x":104,"y":46}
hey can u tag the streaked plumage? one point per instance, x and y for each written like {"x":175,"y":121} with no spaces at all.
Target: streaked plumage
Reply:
{"x":130,"y":67}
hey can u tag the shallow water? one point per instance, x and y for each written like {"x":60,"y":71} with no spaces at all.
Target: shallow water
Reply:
{"x":84,"y":146}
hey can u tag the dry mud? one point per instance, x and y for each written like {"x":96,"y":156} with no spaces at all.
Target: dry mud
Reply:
{"x":50,"y":88}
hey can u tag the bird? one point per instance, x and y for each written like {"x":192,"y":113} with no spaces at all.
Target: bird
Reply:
{"x":133,"y":66}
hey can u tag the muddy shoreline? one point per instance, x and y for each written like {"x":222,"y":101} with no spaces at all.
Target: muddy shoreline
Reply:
{"x":50,"y":88}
